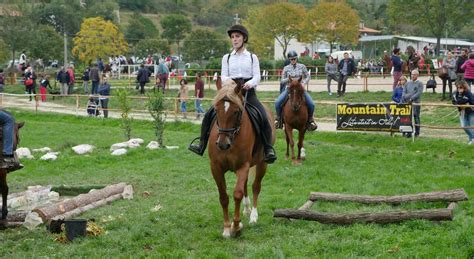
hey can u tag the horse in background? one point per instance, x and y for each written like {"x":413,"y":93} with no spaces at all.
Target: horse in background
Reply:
{"x":295,"y":116}
{"x":235,"y":146}
{"x":4,"y":172}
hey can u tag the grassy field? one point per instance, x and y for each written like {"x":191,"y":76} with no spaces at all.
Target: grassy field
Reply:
{"x":190,"y":221}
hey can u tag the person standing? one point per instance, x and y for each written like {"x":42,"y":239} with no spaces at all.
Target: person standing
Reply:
{"x":85,"y":80}
{"x":468,"y":68}
{"x":72,"y":79}
{"x":331,"y":72}
{"x":94,"y":76}
{"x":397,"y":67}
{"x":346,"y":67}
{"x":412,"y":95}
{"x":100,"y":65}
{"x":162,"y":74}
{"x":143,"y":77}
{"x":30,"y":82}
{"x":398,"y":91}
{"x":63,"y":79}
{"x":9,"y":159}
{"x":243,"y":66}
{"x":22,"y":61}
{"x":198,"y":94}
{"x":183,"y":96}
{"x":450,"y":64}
{"x":44,"y":85}
{"x":463,"y":96}
{"x":459,"y":62}
{"x":413,"y":59}
{"x":295,"y":70}
{"x":104,"y":91}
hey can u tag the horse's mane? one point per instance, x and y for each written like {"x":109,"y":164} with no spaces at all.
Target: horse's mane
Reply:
{"x":227,"y":91}
{"x":296,"y":83}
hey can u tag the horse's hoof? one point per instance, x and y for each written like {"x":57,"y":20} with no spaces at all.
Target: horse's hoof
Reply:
{"x":235,"y":232}
{"x":226,"y":233}
{"x":296,"y":162}
{"x":253,"y":216}
{"x":303,"y":153}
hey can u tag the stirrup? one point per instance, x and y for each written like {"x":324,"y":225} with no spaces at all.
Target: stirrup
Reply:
{"x":312,"y":126}
{"x":271,"y":158}
{"x":196,"y":148}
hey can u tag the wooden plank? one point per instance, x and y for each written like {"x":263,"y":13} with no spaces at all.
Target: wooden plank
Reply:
{"x":306,"y":205}
{"x":367,"y":217}
{"x":449,"y":195}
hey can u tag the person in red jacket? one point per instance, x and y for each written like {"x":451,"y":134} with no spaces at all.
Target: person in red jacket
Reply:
{"x":468,"y":68}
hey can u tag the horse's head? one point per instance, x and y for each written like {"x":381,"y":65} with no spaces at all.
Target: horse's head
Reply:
{"x":229,"y":108}
{"x":296,"y":93}
{"x":16,"y":139}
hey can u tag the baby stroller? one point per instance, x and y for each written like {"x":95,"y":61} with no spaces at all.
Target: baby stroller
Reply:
{"x":93,"y":106}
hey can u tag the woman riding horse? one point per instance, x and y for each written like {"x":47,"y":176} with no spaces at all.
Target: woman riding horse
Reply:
{"x":9,"y":160}
{"x":295,"y":70}
{"x":241,"y":66}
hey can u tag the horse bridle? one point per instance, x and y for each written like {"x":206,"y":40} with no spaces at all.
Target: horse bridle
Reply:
{"x":231,"y":132}
{"x":291,"y":102}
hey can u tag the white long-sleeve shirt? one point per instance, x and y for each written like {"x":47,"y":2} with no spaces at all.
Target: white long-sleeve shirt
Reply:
{"x":241,"y":65}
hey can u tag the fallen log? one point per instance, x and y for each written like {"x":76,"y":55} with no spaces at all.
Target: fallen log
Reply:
{"x":449,"y":195}
{"x":17,"y":216}
{"x":48,"y":212}
{"x":306,"y":205}
{"x":367,"y":217}
{"x":80,"y":210}
{"x":31,"y":191}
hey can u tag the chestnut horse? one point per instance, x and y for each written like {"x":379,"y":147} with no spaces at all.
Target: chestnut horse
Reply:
{"x":295,"y":116}
{"x":4,"y":172}
{"x":234,"y":146}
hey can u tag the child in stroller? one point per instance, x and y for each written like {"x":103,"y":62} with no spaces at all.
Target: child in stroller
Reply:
{"x":93,"y":106}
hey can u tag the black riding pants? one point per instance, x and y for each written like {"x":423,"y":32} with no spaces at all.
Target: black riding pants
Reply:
{"x":252,"y":99}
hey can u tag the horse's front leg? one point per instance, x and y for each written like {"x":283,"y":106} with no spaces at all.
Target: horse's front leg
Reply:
{"x":300,"y":143}
{"x":219,"y":178}
{"x":242,"y":175}
{"x":246,"y":200}
{"x":287,"y":155}
{"x":289,"y":133}
{"x":4,"y":190}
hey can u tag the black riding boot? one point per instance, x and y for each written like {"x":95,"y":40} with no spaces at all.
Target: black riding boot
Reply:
{"x":200,"y":147}
{"x":311,"y":125}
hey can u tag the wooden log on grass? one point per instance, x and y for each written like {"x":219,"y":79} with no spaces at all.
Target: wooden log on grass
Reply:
{"x":367,"y":217}
{"x":50,"y":211}
{"x":17,"y":216}
{"x":80,"y":210}
{"x":449,"y":195}
{"x":31,"y":191}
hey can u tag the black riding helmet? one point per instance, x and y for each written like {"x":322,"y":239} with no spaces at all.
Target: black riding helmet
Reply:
{"x":239,"y":28}
{"x":292,"y":54}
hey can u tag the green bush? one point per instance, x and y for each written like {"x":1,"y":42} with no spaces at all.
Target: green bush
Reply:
{"x":125,"y":108}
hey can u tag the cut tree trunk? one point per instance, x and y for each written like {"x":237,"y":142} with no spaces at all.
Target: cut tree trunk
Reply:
{"x":48,"y":212}
{"x":449,"y":195}
{"x":17,"y":216}
{"x":15,"y":195}
{"x":80,"y":210}
{"x":379,"y":217}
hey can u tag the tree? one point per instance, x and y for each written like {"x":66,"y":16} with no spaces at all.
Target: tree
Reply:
{"x":151,"y":46}
{"x":15,"y":30}
{"x":140,"y":28}
{"x":437,"y":17}
{"x":280,"y":22}
{"x":64,"y":16}
{"x":47,"y":44}
{"x":175,"y":27}
{"x":333,"y":22}
{"x":204,"y":44}
{"x":98,"y":38}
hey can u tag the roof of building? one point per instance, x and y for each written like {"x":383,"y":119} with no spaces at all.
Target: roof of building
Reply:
{"x":448,"y":41}
{"x":368,"y":30}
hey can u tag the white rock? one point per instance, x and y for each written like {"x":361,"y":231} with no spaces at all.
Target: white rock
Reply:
{"x":153,"y":145}
{"x":172,"y":147}
{"x":43,"y":150}
{"x":32,"y":220}
{"x":50,"y":156}
{"x":132,"y":143}
{"x":128,"y":192}
{"x":24,"y":152}
{"x":119,"y":152}
{"x":53,"y":196}
{"x":83,"y":149}
{"x":118,"y":146}
{"x":138,"y":140}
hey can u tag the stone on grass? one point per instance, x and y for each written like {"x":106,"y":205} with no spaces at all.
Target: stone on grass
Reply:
{"x":32,"y":220}
{"x":50,"y":156}
{"x":128,"y":192}
{"x":172,"y":147}
{"x":118,"y":146}
{"x":24,"y":152}
{"x":153,"y":145}
{"x":133,"y":143}
{"x":119,"y":152}
{"x":42,"y":150}
{"x":138,"y":140}
{"x":83,"y":149}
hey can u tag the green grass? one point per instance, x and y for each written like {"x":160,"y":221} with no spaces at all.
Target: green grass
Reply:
{"x":190,"y":221}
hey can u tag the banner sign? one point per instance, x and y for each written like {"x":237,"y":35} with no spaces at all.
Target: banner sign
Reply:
{"x":390,"y":117}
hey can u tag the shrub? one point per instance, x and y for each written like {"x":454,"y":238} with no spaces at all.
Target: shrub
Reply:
{"x":155,"y":106}
{"x":125,"y":108}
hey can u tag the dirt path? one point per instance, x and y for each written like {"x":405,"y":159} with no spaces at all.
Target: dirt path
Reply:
{"x":325,"y":125}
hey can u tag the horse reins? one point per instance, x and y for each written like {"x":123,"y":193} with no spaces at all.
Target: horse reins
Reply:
{"x":231,"y":132}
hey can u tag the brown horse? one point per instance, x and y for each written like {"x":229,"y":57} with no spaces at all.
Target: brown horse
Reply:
{"x":295,"y":116}
{"x":4,"y":172}
{"x":234,"y":146}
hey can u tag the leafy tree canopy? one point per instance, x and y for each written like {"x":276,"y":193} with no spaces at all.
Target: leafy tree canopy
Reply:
{"x":175,"y":27}
{"x":140,"y":28}
{"x":204,"y":44}
{"x":151,"y":47}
